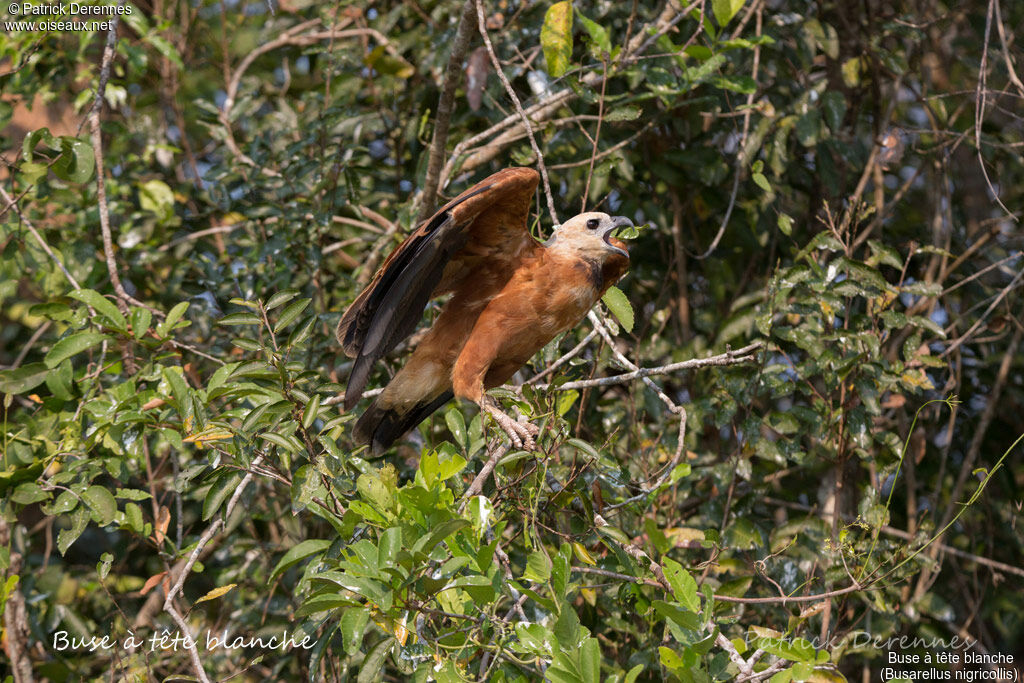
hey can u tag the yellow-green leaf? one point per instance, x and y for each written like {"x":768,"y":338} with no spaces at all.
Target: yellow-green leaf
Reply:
{"x":556,"y":37}
{"x":216,"y":593}
{"x":725,"y":10}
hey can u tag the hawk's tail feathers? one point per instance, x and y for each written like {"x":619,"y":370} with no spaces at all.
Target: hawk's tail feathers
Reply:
{"x":381,"y":426}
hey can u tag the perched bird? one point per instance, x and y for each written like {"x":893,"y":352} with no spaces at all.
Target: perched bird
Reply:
{"x":511,"y":295}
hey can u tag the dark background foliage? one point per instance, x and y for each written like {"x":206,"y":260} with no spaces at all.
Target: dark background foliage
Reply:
{"x":837,"y":181}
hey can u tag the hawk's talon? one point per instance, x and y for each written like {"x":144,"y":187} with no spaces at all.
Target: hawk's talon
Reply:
{"x":520,"y":432}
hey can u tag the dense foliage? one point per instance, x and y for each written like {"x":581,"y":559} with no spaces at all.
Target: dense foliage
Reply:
{"x":186,"y":215}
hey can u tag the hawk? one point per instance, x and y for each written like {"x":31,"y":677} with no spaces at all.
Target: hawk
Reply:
{"x":510,"y":295}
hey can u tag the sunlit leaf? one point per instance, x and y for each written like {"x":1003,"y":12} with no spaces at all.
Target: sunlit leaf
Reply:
{"x":556,"y":37}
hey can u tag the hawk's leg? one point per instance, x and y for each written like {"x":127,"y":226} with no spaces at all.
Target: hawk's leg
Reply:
{"x":521,"y":434}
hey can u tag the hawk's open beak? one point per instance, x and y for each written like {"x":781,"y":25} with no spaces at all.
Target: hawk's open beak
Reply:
{"x":617,"y":222}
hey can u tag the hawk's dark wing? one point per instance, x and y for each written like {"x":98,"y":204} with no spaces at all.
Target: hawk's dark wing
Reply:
{"x":480,"y":233}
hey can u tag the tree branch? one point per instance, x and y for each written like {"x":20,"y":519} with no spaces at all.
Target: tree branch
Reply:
{"x":445,"y":106}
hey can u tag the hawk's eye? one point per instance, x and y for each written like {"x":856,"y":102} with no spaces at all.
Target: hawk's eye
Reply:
{"x":592,"y":224}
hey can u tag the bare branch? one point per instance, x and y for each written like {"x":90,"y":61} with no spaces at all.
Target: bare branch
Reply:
{"x":123,"y":297}
{"x":728,"y":358}
{"x":979,"y":108}
{"x":482,"y":25}
{"x":453,"y":75}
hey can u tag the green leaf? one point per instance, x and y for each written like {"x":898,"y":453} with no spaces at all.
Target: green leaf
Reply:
{"x":76,"y":161}
{"x":808,"y":128}
{"x":538,"y":567}
{"x":141,"y":318}
{"x":388,"y":546}
{"x":373,"y":663}
{"x":220,"y":376}
{"x":33,"y":139}
{"x":786,"y":224}
{"x":620,"y":307}
{"x":565,"y":401}
{"x":219,"y":492}
{"x":556,"y":37}
{"x":31,"y":172}
{"x":22,"y":379}
{"x":302,"y":332}
{"x":834,"y":105}
{"x":243,"y":318}
{"x":736,"y":83}
{"x":802,"y":671}
{"x":165,"y":48}
{"x":132,"y":494}
{"x":762,"y":182}
{"x":79,"y":520}
{"x":725,"y":10}
{"x":353,"y":625}
{"x":670,"y":660}
{"x":103,"y":566}
{"x":175,"y":378}
{"x":103,"y":305}
{"x":375,"y":491}
{"x":282,"y":297}
{"x":433,"y":468}
{"x":102,"y":503}
{"x":852,"y":69}
{"x":290,"y":313}
{"x":439,"y":533}
{"x":797,"y":650}
{"x":627,"y":112}
{"x":685,"y":618}
{"x":310,"y":411}
{"x":598,"y":36}
{"x":322,"y":603}
{"x":288,"y":443}
{"x":157,"y":197}
{"x":481,"y":511}
{"x":297,"y":553}
{"x":584,"y":447}
{"x":28,"y":493}
{"x":684,"y":586}
{"x":69,"y":346}
{"x":567,"y":626}
{"x":173,"y":316}
{"x":456,"y":425}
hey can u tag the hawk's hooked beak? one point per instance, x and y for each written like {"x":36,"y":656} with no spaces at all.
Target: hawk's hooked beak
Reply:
{"x":616,"y":223}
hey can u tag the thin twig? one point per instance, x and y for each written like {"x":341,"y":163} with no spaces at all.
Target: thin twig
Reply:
{"x":1001,"y":30}
{"x":778,"y":600}
{"x":741,"y":155}
{"x":481,"y":478}
{"x":564,"y":359}
{"x":906,"y":536}
{"x":482,"y":26}
{"x":11,"y":202}
{"x":979,"y":108}
{"x":207,"y":536}
{"x":984,"y":316}
{"x":668,"y":470}
{"x":597,"y":139}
